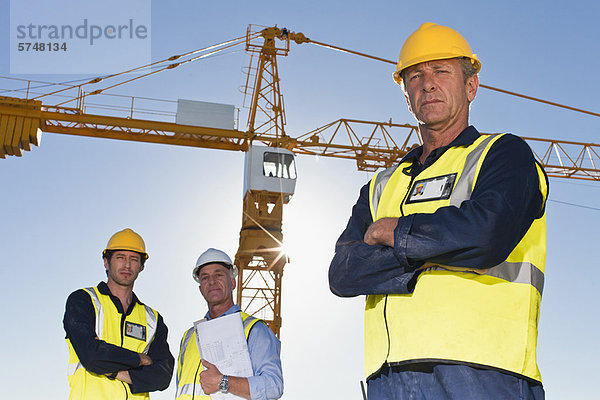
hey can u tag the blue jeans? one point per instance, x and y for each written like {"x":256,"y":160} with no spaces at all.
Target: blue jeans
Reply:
{"x":449,"y":382}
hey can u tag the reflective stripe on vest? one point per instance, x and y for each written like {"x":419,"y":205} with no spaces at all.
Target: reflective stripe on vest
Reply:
{"x":379,"y":182}
{"x":71,"y":368}
{"x":522,"y":272}
{"x":189,"y":363}
{"x":151,"y":326}
{"x":99,"y":311}
{"x":190,"y":389}
{"x":462,"y":188}
{"x":434,"y":323}
{"x":184,"y":343}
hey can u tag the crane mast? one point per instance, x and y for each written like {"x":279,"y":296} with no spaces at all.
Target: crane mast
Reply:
{"x":260,"y":256}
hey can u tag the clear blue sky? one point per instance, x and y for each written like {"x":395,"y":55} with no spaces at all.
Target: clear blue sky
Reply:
{"x":63,"y":200}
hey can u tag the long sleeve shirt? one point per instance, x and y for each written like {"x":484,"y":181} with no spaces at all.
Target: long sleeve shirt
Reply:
{"x":100,"y":357}
{"x":264,"y":349}
{"x":480,"y":233}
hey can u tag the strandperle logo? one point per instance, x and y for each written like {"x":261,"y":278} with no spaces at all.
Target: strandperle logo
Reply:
{"x":79,"y":37}
{"x":84,"y":31}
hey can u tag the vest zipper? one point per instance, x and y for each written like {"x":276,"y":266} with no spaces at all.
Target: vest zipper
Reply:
{"x":412,"y":179}
{"x":122,"y":329}
{"x":122,"y":340}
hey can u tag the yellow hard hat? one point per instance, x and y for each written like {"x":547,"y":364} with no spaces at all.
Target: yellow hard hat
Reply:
{"x":126,"y":240}
{"x":433,"y":42}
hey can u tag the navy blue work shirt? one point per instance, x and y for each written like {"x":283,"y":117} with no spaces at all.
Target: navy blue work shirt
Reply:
{"x":100,"y":357}
{"x":480,"y":233}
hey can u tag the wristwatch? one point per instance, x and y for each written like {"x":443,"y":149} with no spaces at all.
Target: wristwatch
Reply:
{"x":224,"y":384}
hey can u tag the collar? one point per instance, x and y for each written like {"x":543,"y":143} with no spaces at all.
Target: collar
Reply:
{"x":233,"y":309}
{"x":466,"y":137}
{"x":104,"y":289}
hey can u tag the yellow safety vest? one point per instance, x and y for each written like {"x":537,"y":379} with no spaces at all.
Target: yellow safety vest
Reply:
{"x":189,"y":364}
{"x":137,"y":334}
{"x":480,"y":317}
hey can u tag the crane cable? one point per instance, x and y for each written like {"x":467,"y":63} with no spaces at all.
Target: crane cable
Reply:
{"x":256,"y":34}
{"x":484,"y":86}
{"x":220,"y":47}
{"x":575,"y":205}
{"x":231,"y":43}
{"x":42,"y":83}
{"x":99,"y":79}
{"x":170,"y":66}
{"x":328,"y":46}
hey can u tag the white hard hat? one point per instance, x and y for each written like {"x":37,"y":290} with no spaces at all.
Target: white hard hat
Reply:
{"x":211,"y":256}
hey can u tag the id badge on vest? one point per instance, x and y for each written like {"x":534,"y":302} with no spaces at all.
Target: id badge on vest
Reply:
{"x":436,"y":188}
{"x":136,"y":331}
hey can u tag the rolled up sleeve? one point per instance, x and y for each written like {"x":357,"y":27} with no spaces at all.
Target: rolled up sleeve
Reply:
{"x":361,"y":269}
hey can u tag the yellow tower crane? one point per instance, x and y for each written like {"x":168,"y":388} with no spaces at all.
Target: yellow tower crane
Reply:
{"x":270,"y":171}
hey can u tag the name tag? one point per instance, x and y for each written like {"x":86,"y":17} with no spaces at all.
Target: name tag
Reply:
{"x":437,"y":188}
{"x":136,"y":331}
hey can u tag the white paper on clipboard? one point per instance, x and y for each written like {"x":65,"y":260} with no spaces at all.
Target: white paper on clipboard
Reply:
{"x":222,"y":342}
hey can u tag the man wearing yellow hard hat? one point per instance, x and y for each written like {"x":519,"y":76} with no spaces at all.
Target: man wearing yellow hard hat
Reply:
{"x":449,"y":245}
{"x":117,"y":345}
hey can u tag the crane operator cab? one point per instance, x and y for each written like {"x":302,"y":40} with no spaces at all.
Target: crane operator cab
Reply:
{"x":270,"y":169}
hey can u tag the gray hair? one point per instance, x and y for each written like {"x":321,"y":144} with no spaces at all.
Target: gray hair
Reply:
{"x":468,"y":69}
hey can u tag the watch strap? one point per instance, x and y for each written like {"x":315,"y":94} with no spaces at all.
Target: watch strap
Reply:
{"x":224,"y":384}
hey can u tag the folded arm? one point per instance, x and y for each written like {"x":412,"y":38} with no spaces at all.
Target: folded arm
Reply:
{"x":156,"y":376}
{"x":360,"y":268}
{"x":479,"y":234}
{"x":95,"y":355}
{"x":484,"y":230}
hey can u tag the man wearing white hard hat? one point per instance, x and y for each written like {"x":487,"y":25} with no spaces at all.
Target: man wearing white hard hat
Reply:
{"x":197,"y":378}
{"x":448,"y":245}
{"x":117,"y":345}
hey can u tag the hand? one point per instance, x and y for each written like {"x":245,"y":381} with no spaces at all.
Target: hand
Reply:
{"x":381,"y":232}
{"x":145,"y":360}
{"x":210,"y":378}
{"x":124,"y":376}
